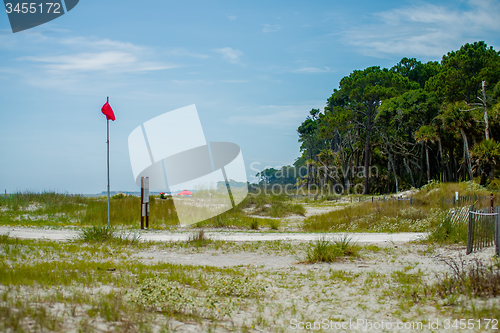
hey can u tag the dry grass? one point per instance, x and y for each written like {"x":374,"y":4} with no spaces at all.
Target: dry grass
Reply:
{"x":272,"y":205}
{"x":474,"y":279}
{"x":428,"y":209}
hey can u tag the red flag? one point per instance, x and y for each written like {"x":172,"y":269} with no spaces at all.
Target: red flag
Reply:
{"x":108,"y":111}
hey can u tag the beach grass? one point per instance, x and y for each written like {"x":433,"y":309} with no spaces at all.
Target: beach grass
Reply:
{"x":425,"y":213}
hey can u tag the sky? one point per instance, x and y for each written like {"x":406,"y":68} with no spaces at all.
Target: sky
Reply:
{"x":254,"y":70}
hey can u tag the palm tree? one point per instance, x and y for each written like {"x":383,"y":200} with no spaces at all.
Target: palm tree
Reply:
{"x":486,"y":156}
{"x":424,"y":135}
{"x":453,"y":118}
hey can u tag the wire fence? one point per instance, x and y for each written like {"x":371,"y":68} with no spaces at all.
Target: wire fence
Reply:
{"x":463,"y":200}
{"x":353,"y":199}
{"x":483,"y":229}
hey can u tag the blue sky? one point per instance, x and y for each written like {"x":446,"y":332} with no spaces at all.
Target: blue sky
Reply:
{"x":254,"y":69}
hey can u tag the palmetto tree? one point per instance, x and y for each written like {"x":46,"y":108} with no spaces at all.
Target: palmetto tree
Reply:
{"x":424,"y":135}
{"x":453,"y":118}
{"x":486,"y":155}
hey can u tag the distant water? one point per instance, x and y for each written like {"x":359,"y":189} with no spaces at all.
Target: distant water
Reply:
{"x":105,"y":193}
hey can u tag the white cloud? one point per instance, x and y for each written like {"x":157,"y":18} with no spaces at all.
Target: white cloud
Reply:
{"x":92,"y":43}
{"x":232,"y":17}
{"x":232,"y":55}
{"x":102,"y":61}
{"x":270,"y":28}
{"x":312,"y":70}
{"x":426,"y":29}
{"x":88,"y":55}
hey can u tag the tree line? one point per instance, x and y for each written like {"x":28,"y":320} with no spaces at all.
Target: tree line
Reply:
{"x":387,"y":130}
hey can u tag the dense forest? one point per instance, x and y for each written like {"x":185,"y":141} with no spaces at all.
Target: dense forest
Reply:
{"x":387,"y":130}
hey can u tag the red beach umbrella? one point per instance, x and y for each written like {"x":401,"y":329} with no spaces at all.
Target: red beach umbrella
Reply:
{"x":185,"y":192}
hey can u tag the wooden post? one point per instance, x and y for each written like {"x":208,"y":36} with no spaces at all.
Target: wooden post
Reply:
{"x":147,"y":215}
{"x":497,"y":231}
{"x":492,"y":198}
{"x":470,"y":232}
{"x":143,"y":208}
{"x":144,"y":201}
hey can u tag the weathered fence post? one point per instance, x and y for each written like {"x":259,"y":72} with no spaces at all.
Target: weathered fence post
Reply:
{"x":470,"y":232}
{"x":491,"y":201}
{"x":497,"y":231}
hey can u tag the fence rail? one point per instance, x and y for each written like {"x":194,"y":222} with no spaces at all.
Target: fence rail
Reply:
{"x":463,"y":200}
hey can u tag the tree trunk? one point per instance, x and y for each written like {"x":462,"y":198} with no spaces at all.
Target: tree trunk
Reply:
{"x":466,"y":153}
{"x":421,"y":168}
{"x":484,"y":177}
{"x":453,"y":165}
{"x":428,"y":163}
{"x":409,"y":171}
{"x":367,"y":152}
{"x":394,"y":173}
{"x":485,"y":111}
{"x":367,"y":164}
{"x":445,"y":168}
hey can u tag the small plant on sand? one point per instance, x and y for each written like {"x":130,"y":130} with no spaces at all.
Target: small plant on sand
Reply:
{"x":325,"y":250}
{"x":211,"y":295}
{"x":274,"y":224}
{"x":254,"y":224}
{"x":97,"y":234}
{"x":449,"y":231}
{"x":472,"y":279}
{"x":199,"y":239}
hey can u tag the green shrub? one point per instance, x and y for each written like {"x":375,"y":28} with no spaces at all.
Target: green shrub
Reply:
{"x":324,"y":250}
{"x":449,"y":232}
{"x":475,"y":279}
{"x":98,"y":234}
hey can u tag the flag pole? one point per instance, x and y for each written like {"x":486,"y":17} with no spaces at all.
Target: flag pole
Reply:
{"x":107,"y":124}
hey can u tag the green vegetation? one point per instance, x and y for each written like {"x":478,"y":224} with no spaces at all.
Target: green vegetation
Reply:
{"x":449,"y":232}
{"x":93,"y":285}
{"x":55,"y":209}
{"x":199,"y":239}
{"x":261,"y":205}
{"x":271,"y":205}
{"x":213,"y":295}
{"x":389,"y":130}
{"x":325,"y":250}
{"x":474,"y":280}
{"x":426,"y":213}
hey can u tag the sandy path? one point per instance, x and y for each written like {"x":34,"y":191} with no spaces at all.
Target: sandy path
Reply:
{"x":167,"y":236}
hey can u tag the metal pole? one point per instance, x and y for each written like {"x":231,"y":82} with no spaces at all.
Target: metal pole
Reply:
{"x":107,"y":123}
